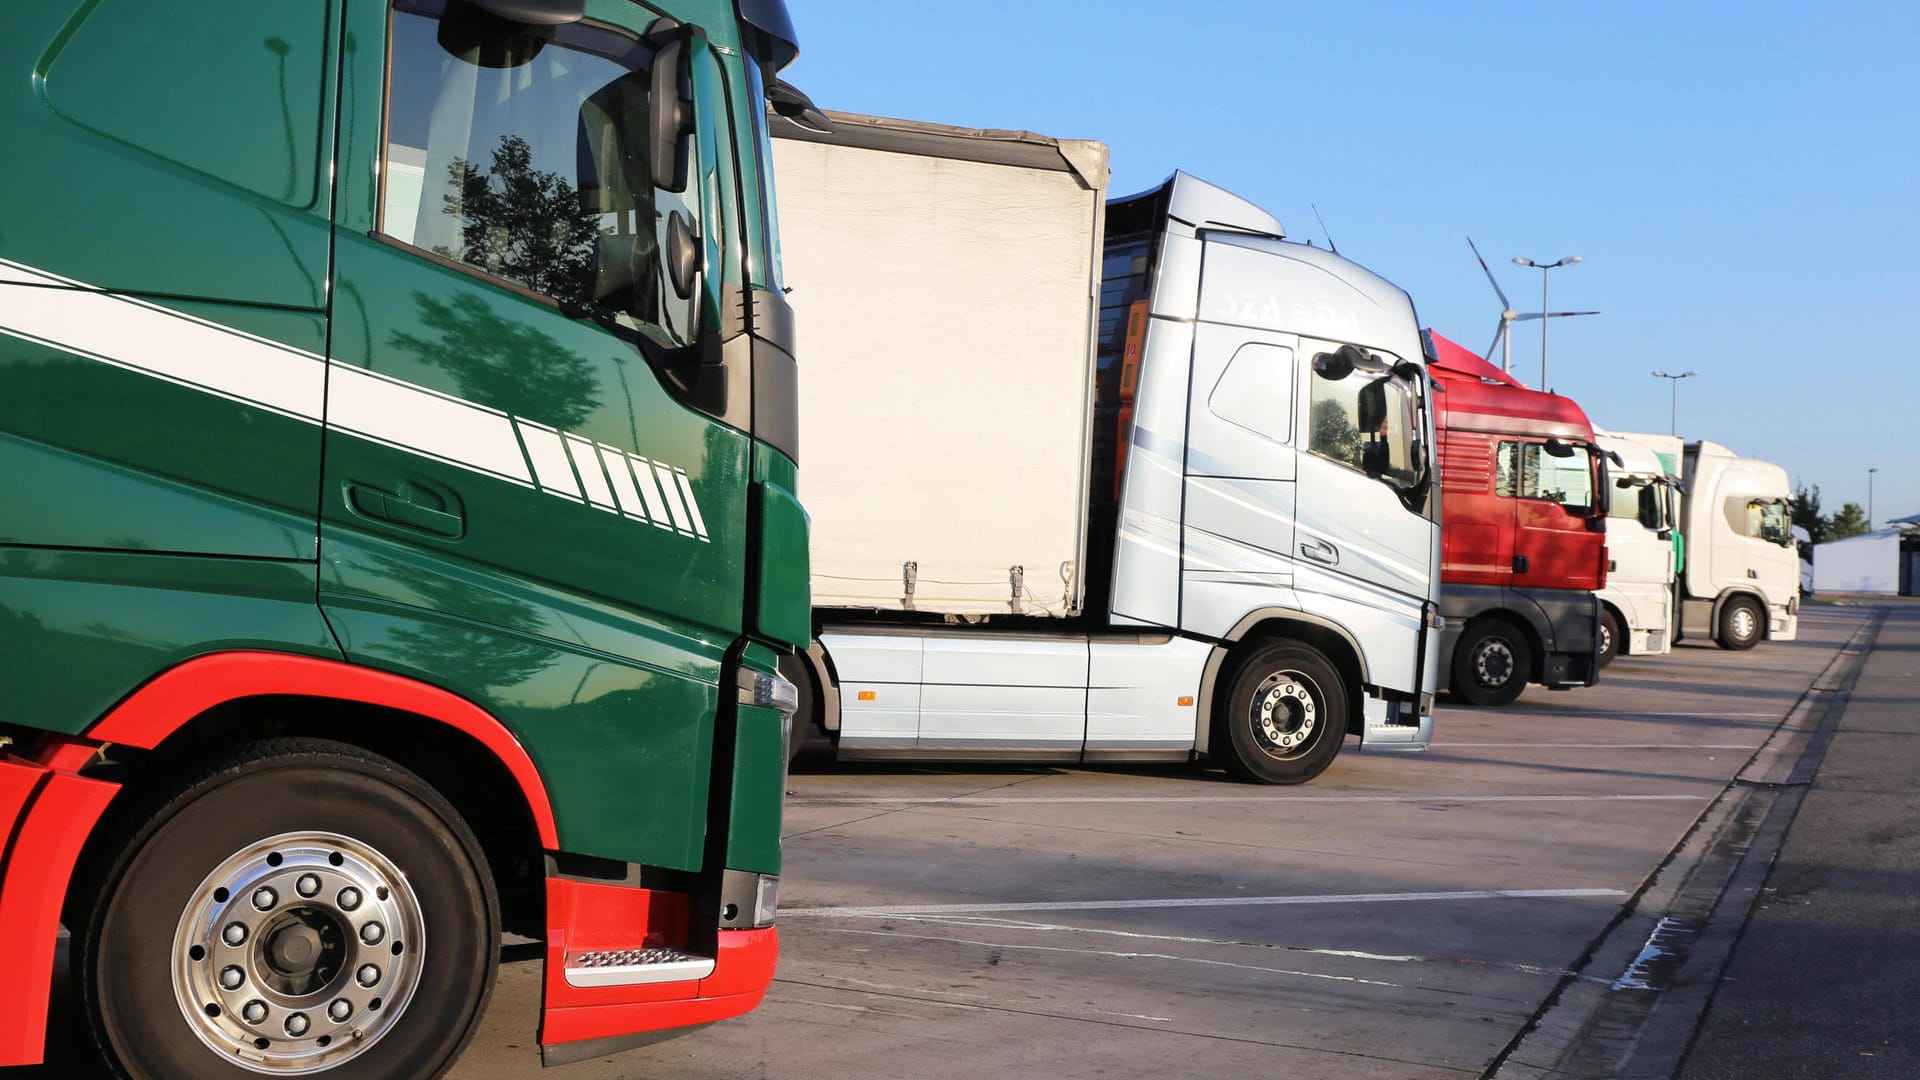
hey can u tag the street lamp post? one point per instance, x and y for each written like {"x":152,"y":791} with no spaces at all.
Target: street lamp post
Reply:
{"x":1545,"y":272}
{"x":1870,"y":473}
{"x":1673,"y":403}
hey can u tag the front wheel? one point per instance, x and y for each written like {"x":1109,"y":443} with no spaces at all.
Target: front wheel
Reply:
{"x":1283,"y":717}
{"x":1741,"y":624}
{"x":1492,"y":663}
{"x":1610,"y":636}
{"x":299,"y":908}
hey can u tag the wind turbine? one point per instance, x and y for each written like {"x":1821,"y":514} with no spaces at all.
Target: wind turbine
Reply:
{"x":1502,"y":338}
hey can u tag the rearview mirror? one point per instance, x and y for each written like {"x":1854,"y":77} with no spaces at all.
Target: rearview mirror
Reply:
{"x":789,"y":102}
{"x":670,"y":110}
{"x":1556,"y":448}
{"x":1372,"y":407}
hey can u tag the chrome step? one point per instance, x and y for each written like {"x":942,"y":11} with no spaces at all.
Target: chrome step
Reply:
{"x":636,"y":967}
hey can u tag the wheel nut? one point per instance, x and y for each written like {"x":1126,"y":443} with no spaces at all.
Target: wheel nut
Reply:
{"x":234,"y":935}
{"x":372,"y":933}
{"x":308,"y":885}
{"x":254,"y":1011}
{"x":297,"y":1025}
{"x":368,"y":974}
{"x":349,"y":898}
{"x":231,"y":978}
{"x":340,"y":1010}
{"x":264,"y":899}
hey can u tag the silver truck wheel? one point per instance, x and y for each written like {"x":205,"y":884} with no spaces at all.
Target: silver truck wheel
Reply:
{"x":298,"y":952}
{"x":1282,"y":717}
{"x":296,"y":908}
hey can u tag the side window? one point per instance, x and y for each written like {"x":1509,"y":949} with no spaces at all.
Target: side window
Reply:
{"x":1255,"y":392}
{"x":1363,"y":417}
{"x":521,"y":152}
{"x":1651,"y":507}
{"x":1527,"y":471}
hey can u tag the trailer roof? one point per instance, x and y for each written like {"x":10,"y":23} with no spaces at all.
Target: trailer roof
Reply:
{"x":1085,"y":158}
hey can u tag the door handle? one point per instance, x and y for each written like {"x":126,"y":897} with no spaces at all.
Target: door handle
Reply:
{"x":1320,"y":551}
{"x":387,"y":506}
{"x":1519,"y":564}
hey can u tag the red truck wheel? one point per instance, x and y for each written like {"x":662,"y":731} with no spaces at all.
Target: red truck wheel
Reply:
{"x":298,"y":908}
{"x":1284,"y":715}
{"x":1492,"y":663}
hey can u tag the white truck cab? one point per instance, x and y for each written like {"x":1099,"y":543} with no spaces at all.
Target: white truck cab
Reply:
{"x":1638,"y":602}
{"x":1739,"y":572}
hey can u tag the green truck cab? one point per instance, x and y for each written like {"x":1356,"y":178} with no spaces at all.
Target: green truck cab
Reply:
{"x":398,"y":535}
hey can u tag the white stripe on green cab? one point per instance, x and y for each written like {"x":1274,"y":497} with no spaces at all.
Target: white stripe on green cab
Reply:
{"x":189,"y":351}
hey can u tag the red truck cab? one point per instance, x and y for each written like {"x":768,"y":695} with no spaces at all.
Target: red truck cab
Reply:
{"x":1523,"y":541}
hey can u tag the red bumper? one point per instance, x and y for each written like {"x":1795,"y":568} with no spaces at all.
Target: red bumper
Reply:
{"x":46,"y":812}
{"x":584,"y":917}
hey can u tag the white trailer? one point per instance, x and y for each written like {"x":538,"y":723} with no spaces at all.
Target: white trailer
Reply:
{"x":1874,"y":563}
{"x":1068,"y":504}
{"x":1740,"y":574}
{"x":1637,"y":604}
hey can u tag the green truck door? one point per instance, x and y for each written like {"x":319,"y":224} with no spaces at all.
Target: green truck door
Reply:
{"x":512,"y":505}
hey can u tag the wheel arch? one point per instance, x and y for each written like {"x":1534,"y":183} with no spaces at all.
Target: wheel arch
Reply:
{"x":1737,"y":592}
{"x":816,"y":664}
{"x":1623,"y":646}
{"x":1334,"y":641}
{"x":1519,"y":621}
{"x":456,"y":747}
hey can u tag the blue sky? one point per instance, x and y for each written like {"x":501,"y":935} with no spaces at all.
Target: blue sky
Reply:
{"x":1742,"y":181}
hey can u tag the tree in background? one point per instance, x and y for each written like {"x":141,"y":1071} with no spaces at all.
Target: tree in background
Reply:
{"x":1850,"y":521}
{"x":1806,"y":513}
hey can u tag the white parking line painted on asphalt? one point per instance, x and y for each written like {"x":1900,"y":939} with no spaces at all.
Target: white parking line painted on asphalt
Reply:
{"x":1040,"y":800}
{"x":1202,"y":902}
{"x":1602,"y":745}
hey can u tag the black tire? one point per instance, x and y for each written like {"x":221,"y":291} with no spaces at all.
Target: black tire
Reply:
{"x":1283,"y":715}
{"x":1612,"y":634}
{"x":1492,"y":663}
{"x":282,"y":815}
{"x":1742,"y":624}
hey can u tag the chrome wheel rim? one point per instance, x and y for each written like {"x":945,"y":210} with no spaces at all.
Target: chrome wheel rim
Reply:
{"x":1284,"y":714}
{"x":1606,"y":638}
{"x":1743,"y":623}
{"x":298,"y":952}
{"x":1493,"y":662}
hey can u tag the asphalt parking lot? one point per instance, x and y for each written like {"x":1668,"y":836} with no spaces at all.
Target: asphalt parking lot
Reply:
{"x":1555,"y":889}
{"x":1493,"y":907}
